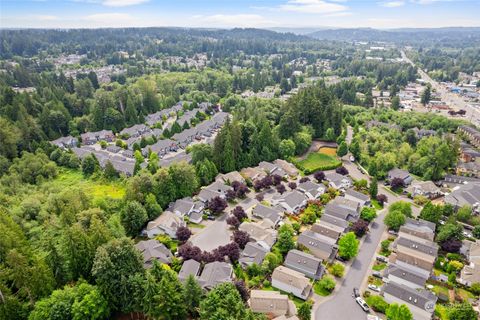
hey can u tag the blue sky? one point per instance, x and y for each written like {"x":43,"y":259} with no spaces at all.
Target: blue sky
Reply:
{"x":238,"y":13}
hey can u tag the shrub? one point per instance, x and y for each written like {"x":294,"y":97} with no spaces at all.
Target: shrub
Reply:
{"x":327,"y":284}
{"x":378,"y":303}
{"x":337,"y":270}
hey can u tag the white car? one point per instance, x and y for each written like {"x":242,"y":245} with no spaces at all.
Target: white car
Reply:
{"x":373,"y":287}
{"x":362,"y":304}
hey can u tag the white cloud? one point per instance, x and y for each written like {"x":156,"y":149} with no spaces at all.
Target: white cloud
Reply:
{"x":232,"y":20}
{"x":312,"y":6}
{"x":109,"y":19}
{"x":392,"y":4}
{"x":42,"y":17}
{"x":122,"y":3}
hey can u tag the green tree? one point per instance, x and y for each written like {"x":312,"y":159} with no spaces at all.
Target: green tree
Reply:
{"x":426,"y":95}
{"x":399,"y":312}
{"x":223,"y":303}
{"x":450,"y":231}
{"x":109,"y":172}
{"x":330,"y":135}
{"x":171,"y":297}
{"x":327,"y":283}
{"x":193,"y":295}
{"x":91,"y":306}
{"x":342,"y":149}
{"x":133,"y":217}
{"x":395,"y":103}
{"x":90,"y":165}
{"x":368,"y":214}
{"x":348,"y":246}
{"x":152,"y":207}
{"x":462,"y":311}
{"x":287,"y":148}
{"x":431,"y":212}
{"x":373,"y":190}
{"x":394,"y":220}
{"x":338,"y":269}
{"x":404,"y":207}
{"x":200,"y":152}
{"x":285,"y":241}
{"x":153,"y":163}
{"x":305,"y":311}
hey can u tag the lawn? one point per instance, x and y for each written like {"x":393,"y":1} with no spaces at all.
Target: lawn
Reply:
{"x":297,"y":301}
{"x":465,"y":294}
{"x":376,"y":205}
{"x":318,"y":161}
{"x":379,"y":266}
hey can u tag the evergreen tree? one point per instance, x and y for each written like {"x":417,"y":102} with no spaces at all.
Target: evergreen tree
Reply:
{"x":193,"y":296}
{"x":373,"y":190}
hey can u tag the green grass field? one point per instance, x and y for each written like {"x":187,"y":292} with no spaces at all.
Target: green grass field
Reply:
{"x":318,"y":161}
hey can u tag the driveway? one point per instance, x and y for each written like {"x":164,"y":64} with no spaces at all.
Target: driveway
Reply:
{"x":214,"y":235}
{"x":341,"y":305}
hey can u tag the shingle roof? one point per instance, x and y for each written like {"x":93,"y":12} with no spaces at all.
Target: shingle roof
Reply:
{"x":357,"y":195}
{"x":304,"y":263}
{"x":154,"y":250}
{"x":189,"y":267}
{"x":468,"y":194}
{"x":262,"y":301}
{"x":423,"y":299}
{"x":342,"y":223}
{"x":293,"y":198}
{"x":424,"y":246}
{"x":398,"y":173}
{"x":272,"y":213}
{"x":406,"y":274}
{"x":252,"y":253}
{"x":215,"y":273}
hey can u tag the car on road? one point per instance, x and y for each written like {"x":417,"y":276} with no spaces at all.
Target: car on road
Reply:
{"x":373,"y":288}
{"x":211,"y":218}
{"x":356,"y":293}
{"x":362,"y":304}
{"x":372,"y":317}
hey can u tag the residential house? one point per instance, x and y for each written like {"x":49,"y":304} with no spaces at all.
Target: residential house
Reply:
{"x":289,"y":168}
{"x":261,"y":232}
{"x":274,"y":214}
{"x":272,"y":169}
{"x":328,"y":230}
{"x":454,"y":181}
{"x":187,"y":207}
{"x":311,"y":189}
{"x":291,"y":281}
{"x":248,"y":204}
{"x":424,"y":188}
{"x":420,"y":302}
{"x":338,"y":181}
{"x":253,"y":174}
{"x":135,"y":131}
{"x":470,"y":273}
{"x":403,"y":175}
{"x":153,"y":250}
{"x":343,"y":213}
{"x":405,"y":275}
{"x":347,"y":204}
{"x":418,"y":228}
{"x":359,"y":197}
{"x":472,"y":134}
{"x":252,"y":253}
{"x":272,"y":303}
{"x":305,"y":263}
{"x":417,"y":252}
{"x":189,"y":267}
{"x":93,"y":137}
{"x":467,"y":194}
{"x":167,"y":223}
{"x":468,"y":154}
{"x":292,"y":201}
{"x":216,"y":189}
{"x":320,"y":246}
{"x":67,"y":142}
{"x":161,"y":147}
{"x":215,"y":273}
{"x":470,"y":169}
{"x":342,"y":224}
{"x":230,"y":177}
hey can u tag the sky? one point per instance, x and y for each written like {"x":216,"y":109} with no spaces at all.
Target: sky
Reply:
{"x":383,"y":14}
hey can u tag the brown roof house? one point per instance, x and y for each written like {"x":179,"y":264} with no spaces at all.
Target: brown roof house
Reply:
{"x":424,"y":188}
{"x":419,"y":253}
{"x":328,"y":230}
{"x":153,"y":250}
{"x":167,"y":223}
{"x":291,"y":281}
{"x":261,"y":232}
{"x":320,"y":246}
{"x":418,"y":228}
{"x":289,"y":168}
{"x":272,"y":303}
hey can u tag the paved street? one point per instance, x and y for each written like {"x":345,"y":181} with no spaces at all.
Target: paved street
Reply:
{"x":342,"y":305}
{"x":214,"y":235}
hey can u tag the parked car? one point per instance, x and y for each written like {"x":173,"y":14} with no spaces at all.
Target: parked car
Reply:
{"x":362,"y":304}
{"x":211,"y":218}
{"x":340,"y":259}
{"x":382,"y":259}
{"x":356,"y":293}
{"x":393,"y":232}
{"x":373,"y":287}
{"x":377,"y":274}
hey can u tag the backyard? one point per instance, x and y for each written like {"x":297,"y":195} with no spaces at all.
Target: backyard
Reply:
{"x":323,"y":159}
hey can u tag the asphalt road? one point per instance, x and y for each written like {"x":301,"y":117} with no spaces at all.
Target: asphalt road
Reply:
{"x":342,"y":305}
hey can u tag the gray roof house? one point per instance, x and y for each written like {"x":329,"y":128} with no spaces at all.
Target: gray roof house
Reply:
{"x":292,"y":201}
{"x":406,"y":276}
{"x":135,"y":130}
{"x":65,"y":142}
{"x":153,"y":250}
{"x":311,"y":189}
{"x":272,"y":169}
{"x":189,"y":267}
{"x":400,"y":174}
{"x":215,"y":273}
{"x":347,"y":204}
{"x":341,"y":223}
{"x":418,"y":228}
{"x":341,"y":212}
{"x":328,"y":229}
{"x":167,"y":223}
{"x":338,"y":181}
{"x":161,"y":147}
{"x":252,"y":253}
{"x":420,"y":302}
{"x":424,"y":188}
{"x":93,"y":137}
{"x":305,"y":263}
{"x":467,"y":194}
{"x":187,"y":207}
{"x":274,"y":214}
{"x":320,"y":246}
{"x":260,"y":232}
{"x":359,"y":197}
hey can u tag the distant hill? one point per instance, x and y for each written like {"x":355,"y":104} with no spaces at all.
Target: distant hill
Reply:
{"x":407,"y":35}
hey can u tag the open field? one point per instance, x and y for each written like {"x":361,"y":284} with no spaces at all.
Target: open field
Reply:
{"x":318,"y":161}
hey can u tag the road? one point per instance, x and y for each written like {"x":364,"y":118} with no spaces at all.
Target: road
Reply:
{"x":453,"y":100}
{"x":342,"y":305}
{"x":214,"y":235}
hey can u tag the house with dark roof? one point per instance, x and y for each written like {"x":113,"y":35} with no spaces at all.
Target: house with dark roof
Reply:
{"x":311,"y":189}
{"x":291,"y":281}
{"x":420,"y":302}
{"x":166,"y":223}
{"x":405,"y":275}
{"x":189,"y":267}
{"x":359,"y":197}
{"x":67,"y":142}
{"x":338,"y":181}
{"x":327,"y":229}
{"x":305,"y":263}
{"x":418,"y":228}
{"x":400,"y":174}
{"x":320,"y":246}
{"x":274,"y":214}
{"x":153,"y":250}
{"x":215,"y":273}
{"x":135,"y":130}
{"x":341,"y":212}
{"x":338,"y":222}
{"x":252,"y":253}
{"x":467,"y":194}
